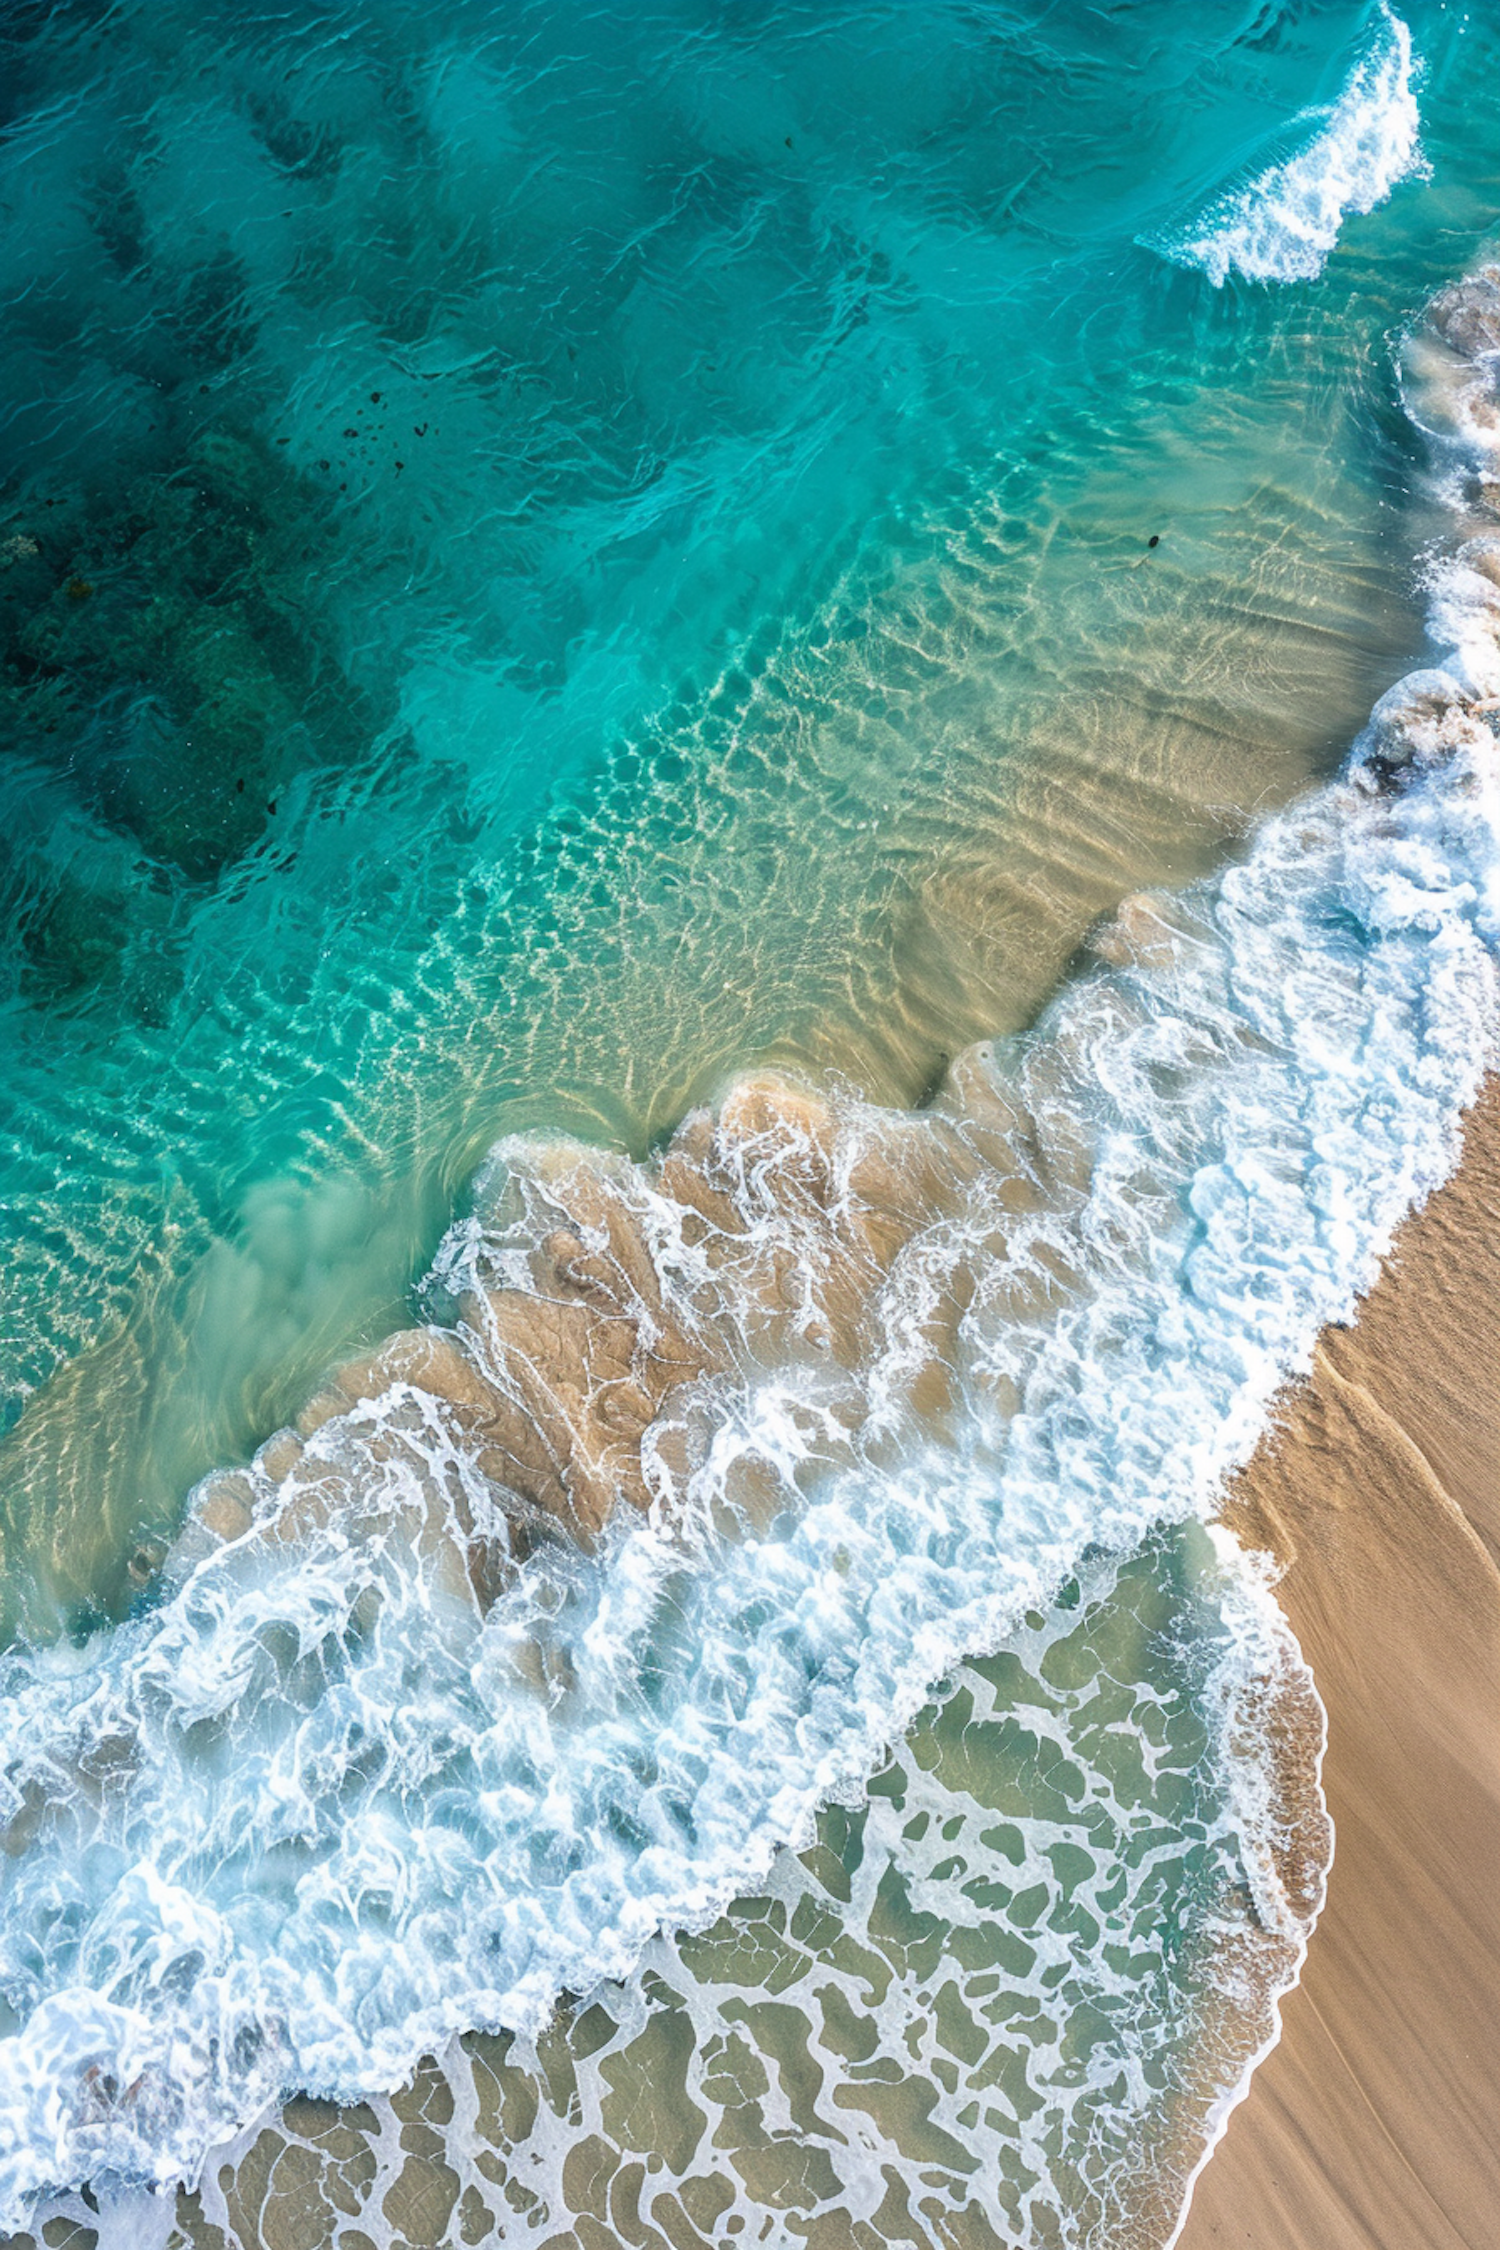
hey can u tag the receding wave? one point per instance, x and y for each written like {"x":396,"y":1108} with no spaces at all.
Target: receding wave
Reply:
{"x":1005,"y":1995}
{"x":558,"y":1616}
{"x":1283,"y":224}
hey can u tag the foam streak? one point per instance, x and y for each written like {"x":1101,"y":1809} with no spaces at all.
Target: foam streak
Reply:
{"x":1283,"y":224}
{"x":836,"y":1394}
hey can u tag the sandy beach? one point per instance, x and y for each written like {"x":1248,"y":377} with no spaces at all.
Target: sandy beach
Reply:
{"x":1374,"y":2122}
{"x":1371,"y":2126}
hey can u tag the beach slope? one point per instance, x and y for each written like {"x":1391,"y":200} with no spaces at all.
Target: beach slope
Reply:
{"x":1376,"y":2121}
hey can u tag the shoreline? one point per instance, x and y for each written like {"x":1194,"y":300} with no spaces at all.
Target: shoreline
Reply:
{"x":1370,"y":2125}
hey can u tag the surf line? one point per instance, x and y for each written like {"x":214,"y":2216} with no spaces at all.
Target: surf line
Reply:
{"x":557,"y":1615}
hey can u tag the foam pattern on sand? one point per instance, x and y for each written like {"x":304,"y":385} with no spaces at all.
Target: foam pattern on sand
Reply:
{"x":998,"y":1998}
{"x":835,"y":1395}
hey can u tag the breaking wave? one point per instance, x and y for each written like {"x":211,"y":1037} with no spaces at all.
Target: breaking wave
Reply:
{"x":1007,"y":1995}
{"x":1283,"y":224}
{"x":557,"y":1617}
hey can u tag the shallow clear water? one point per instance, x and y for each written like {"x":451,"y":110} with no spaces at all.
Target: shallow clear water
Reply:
{"x":546,"y":562}
{"x":998,"y":1998}
{"x":746,"y":662}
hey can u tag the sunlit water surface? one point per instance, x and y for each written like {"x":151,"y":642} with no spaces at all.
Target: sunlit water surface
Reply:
{"x":550,"y":558}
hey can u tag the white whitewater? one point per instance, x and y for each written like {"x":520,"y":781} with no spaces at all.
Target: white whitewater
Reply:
{"x":1283,"y":224}
{"x":377,"y":1770}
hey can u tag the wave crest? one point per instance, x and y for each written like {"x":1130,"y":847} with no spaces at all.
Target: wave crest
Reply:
{"x":1283,"y":224}
{"x":558,"y":1616}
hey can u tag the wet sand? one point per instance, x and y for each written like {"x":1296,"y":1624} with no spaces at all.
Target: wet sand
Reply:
{"x":1376,"y":2121}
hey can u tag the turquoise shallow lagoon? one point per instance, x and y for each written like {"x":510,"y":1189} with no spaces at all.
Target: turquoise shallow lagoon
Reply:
{"x":550,"y":559}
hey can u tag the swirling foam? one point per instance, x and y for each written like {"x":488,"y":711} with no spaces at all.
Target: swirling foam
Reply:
{"x":1283,"y":224}
{"x":336,"y":1798}
{"x":1009,"y":1992}
{"x":308,"y":1818}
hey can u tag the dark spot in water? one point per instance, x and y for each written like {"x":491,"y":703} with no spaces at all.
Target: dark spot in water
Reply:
{"x":419,"y":430}
{"x":25,"y":665}
{"x":374,"y":398}
{"x":202,"y":622}
{"x":788,"y":140}
{"x":119,"y":221}
{"x":1389,"y":775}
{"x":932,"y":1085}
{"x":1154,"y":540}
{"x":297,"y":147}
{"x":271,"y":805}
{"x":212,"y":316}
{"x":401,"y":464}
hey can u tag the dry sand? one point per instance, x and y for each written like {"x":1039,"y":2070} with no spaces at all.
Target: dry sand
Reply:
{"x":1376,"y":2121}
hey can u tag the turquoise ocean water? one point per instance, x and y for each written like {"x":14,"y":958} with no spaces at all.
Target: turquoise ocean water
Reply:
{"x":553,"y":558}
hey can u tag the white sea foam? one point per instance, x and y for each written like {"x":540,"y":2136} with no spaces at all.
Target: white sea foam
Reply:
{"x":997,"y":1929}
{"x":1053,"y":1933}
{"x":305,"y":1820}
{"x":320,"y":1809}
{"x":1283,"y":224}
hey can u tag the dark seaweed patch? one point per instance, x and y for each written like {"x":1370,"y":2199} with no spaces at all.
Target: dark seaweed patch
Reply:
{"x":160,"y":657}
